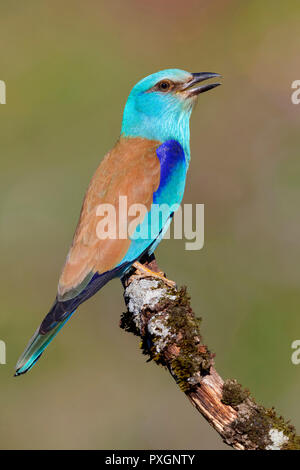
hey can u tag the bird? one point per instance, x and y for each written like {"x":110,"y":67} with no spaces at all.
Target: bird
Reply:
{"x":148,"y":165}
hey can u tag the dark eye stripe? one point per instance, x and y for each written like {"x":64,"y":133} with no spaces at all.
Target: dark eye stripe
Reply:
{"x":163,"y":86}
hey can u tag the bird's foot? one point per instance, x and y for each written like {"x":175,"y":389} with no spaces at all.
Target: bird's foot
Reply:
{"x":143,"y":271}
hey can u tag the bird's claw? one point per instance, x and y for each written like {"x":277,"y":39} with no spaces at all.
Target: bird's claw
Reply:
{"x":142,"y":272}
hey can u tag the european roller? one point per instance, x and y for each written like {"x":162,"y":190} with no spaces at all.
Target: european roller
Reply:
{"x":148,"y":166}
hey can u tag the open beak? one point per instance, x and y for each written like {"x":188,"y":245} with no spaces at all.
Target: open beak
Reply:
{"x":191,"y":88}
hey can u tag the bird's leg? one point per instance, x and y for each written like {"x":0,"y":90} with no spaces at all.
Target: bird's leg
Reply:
{"x":146,"y":272}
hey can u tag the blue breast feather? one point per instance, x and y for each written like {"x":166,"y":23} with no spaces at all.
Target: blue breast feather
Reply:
{"x":165,"y":200}
{"x":172,"y":173}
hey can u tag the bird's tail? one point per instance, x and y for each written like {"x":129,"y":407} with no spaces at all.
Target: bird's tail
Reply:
{"x":38,"y":344}
{"x":58,"y":315}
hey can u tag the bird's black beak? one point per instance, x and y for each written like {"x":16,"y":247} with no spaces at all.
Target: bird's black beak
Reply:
{"x":191,"y":88}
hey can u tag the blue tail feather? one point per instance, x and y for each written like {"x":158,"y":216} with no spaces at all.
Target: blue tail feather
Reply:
{"x":36,"y":346}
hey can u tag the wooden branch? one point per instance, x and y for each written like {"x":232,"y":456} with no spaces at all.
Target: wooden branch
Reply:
{"x":170,"y":336}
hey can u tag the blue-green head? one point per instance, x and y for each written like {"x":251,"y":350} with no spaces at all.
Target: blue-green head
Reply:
{"x":159,"y":106}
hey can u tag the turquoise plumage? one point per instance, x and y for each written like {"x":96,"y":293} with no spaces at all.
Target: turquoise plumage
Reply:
{"x":148,"y":165}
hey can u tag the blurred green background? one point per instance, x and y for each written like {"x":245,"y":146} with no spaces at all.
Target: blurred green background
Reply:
{"x":69,"y":67}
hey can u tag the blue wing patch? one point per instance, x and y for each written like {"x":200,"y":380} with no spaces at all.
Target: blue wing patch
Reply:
{"x":165,"y":200}
{"x":172,"y":173}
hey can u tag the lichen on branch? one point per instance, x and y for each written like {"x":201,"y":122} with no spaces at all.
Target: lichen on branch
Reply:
{"x":170,"y":335}
{"x":170,"y":331}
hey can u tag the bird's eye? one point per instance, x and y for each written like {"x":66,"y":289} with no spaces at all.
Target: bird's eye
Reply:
{"x":164,"y":85}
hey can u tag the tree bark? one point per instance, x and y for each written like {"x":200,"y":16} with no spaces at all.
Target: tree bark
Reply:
{"x":170,"y":335}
